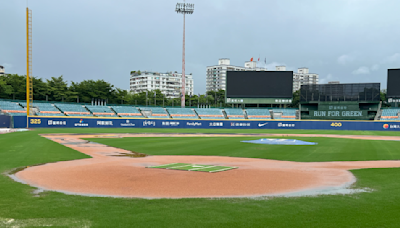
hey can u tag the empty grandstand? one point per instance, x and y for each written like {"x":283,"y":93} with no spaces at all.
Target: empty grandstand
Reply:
{"x":44,"y":109}
{"x":234,"y":113}
{"x":73,"y":109}
{"x":12,"y":108}
{"x":391,"y":114}
{"x":210,"y":113}
{"x":127,"y":111}
{"x":184,"y":113}
{"x":154,"y":112}
{"x":258,"y":113}
{"x":101,"y":111}
{"x":282,"y":113}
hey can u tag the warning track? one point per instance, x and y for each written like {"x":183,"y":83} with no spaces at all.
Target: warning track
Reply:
{"x":106,"y":174}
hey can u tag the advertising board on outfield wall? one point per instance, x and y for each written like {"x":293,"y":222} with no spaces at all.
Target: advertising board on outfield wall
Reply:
{"x":65,"y":122}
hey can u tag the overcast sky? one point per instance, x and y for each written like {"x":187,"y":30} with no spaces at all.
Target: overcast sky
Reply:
{"x":344,"y":40}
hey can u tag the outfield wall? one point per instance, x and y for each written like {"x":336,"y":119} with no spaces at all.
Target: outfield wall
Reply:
{"x":5,"y":121}
{"x":96,"y":122}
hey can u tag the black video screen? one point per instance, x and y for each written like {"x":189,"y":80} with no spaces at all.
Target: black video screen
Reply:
{"x":393,"y":83}
{"x":341,"y":92}
{"x":259,"y":84}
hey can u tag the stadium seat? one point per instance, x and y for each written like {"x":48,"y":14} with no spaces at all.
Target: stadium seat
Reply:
{"x":100,"y":111}
{"x":184,"y":113}
{"x":73,"y":109}
{"x":210,"y":113}
{"x":234,"y":113}
{"x":289,"y":114}
{"x":155,"y":112}
{"x":127,"y":111}
{"x":258,"y":114}
{"x":390,"y":114}
{"x":45,"y":109}
{"x":12,"y":108}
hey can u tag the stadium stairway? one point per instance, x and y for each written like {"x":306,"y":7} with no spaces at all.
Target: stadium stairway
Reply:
{"x":234,"y":113}
{"x":379,"y":112}
{"x":210,"y":113}
{"x":73,"y":109}
{"x":154,"y":112}
{"x":100,"y":110}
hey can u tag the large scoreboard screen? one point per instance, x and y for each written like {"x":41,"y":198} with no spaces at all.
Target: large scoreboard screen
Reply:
{"x":393,"y":83}
{"x":259,"y":84}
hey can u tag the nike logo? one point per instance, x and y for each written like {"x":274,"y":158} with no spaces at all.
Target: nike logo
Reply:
{"x":260,"y":125}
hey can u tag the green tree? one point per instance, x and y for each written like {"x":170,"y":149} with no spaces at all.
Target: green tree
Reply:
{"x":296,"y":99}
{"x":40,"y":89}
{"x":5,"y":89}
{"x":18,"y":87}
{"x":90,"y":89}
{"x":58,"y":89}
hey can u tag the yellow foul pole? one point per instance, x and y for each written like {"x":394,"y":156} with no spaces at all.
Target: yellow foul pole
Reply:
{"x":29,"y":87}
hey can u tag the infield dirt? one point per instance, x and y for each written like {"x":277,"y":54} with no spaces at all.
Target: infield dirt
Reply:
{"x":105,"y":174}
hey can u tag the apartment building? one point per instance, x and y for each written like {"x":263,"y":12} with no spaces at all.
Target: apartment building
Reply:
{"x":169,"y":83}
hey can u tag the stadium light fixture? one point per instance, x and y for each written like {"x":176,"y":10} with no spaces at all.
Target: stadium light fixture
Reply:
{"x":184,"y":8}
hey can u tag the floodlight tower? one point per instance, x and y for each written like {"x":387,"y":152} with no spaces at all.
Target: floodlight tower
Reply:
{"x":184,"y":8}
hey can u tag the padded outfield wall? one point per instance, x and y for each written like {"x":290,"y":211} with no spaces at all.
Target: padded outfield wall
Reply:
{"x":97,"y":122}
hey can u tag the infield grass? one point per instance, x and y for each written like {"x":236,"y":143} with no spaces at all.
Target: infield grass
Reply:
{"x":377,"y":208}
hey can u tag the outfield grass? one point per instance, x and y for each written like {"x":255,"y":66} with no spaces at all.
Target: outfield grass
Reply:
{"x":327,"y":149}
{"x":378,"y":208}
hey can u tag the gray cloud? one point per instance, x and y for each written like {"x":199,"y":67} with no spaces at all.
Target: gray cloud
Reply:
{"x":107,"y":39}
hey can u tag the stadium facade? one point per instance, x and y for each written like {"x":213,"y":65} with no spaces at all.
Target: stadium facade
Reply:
{"x":169,"y":83}
{"x":357,"y":101}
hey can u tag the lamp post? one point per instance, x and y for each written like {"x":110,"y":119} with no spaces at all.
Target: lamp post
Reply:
{"x":184,"y":8}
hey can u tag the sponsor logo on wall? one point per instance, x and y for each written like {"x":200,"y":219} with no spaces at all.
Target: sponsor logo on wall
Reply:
{"x":391,"y":126}
{"x":127,"y":124}
{"x":286,"y":125}
{"x":81,"y":123}
{"x":240,"y":124}
{"x":149,"y":123}
{"x":170,"y":123}
{"x":216,"y":124}
{"x":193,"y":124}
{"x":56,"y":123}
{"x":262,"y":124}
{"x":105,"y":123}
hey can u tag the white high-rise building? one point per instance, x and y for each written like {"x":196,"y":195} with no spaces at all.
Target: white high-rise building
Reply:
{"x":169,"y":83}
{"x":304,"y":77}
{"x":1,"y":70}
{"x":216,"y":75}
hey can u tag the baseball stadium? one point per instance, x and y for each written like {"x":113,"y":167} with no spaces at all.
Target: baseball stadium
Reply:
{"x":333,"y":161}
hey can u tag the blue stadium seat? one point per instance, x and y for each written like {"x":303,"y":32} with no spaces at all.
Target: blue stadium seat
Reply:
{"x":183,"y":113}
{"x":234,"y":113}
{"x":258,"y":114}
{"x":210,"y":113}
{"x":127,"y":111}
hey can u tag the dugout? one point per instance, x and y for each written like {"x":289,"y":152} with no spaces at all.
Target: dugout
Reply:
{"x":356,"y":101}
